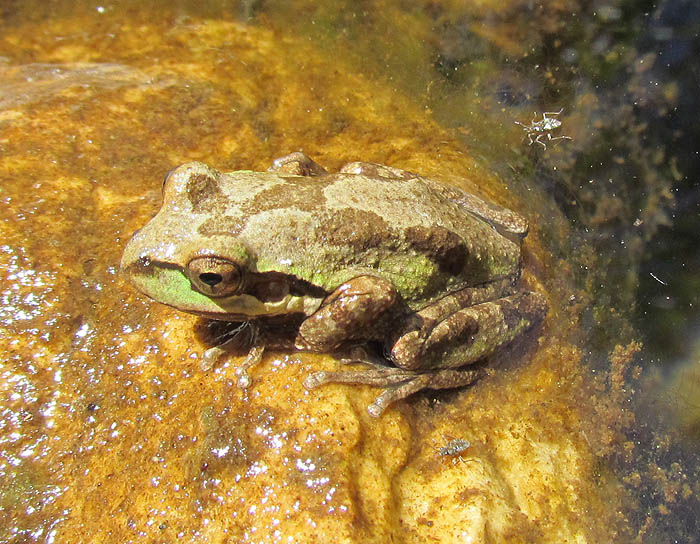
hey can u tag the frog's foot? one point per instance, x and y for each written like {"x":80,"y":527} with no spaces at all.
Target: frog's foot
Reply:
{"x":298,"y":164}
{"x":398,"y":383}
{"x":213,"y":355}
{"x":229,"y":340}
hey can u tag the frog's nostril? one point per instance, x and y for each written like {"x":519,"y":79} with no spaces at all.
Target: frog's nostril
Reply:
{"x":210,"y":279}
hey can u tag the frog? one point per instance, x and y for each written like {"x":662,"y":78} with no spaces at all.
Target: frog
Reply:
{"x":414,"y":279}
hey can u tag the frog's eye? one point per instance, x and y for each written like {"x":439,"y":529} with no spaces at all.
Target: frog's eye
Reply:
{"x":215,"y":276}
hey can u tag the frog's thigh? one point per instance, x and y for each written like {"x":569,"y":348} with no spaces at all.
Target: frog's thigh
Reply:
{"x":346,"y":313}
{"x":469,"y":333}
{"x":423,"y":321}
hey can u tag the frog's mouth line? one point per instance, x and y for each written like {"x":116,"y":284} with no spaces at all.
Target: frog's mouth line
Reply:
{"x":168,"y":284}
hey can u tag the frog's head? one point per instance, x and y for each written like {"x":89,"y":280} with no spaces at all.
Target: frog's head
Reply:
{"x":178,"y":259}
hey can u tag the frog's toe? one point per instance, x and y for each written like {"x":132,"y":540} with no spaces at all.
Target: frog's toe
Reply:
{"x":398,"y":392}
{"x":393,"y":394}
{"x":211,"y":357}
{"x":399,"y":383}
{"x":312,"y":381}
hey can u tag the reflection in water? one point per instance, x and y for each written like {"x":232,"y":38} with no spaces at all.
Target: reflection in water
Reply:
{"x":35,"y":82}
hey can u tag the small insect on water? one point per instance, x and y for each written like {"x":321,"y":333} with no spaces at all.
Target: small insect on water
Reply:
{"x":537,"y":129}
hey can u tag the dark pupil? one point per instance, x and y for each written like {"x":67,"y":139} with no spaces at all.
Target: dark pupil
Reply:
{"x":210,"y":278}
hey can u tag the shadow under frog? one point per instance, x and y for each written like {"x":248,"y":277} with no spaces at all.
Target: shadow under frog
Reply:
{"x":368,"y":254}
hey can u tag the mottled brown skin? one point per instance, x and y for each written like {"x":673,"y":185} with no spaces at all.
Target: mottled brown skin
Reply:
{"x":372,"y":253}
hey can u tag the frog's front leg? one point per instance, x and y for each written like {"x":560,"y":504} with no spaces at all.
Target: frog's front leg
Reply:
{"x":346,"y":314}
{"x":257,"y":348}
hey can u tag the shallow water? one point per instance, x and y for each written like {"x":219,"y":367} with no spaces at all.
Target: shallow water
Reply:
{"x":105,"y":432}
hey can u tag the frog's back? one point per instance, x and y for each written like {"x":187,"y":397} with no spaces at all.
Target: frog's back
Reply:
{"x":428,"y":228}
{"x":329,"y":228}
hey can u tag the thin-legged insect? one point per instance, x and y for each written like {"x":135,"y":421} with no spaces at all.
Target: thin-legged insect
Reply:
{"x":544,"y":127}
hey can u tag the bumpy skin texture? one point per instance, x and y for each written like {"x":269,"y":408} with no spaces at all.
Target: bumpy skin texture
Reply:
{"x":368,"y":253}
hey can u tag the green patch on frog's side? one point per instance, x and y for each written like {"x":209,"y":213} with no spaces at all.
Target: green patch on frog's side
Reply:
{"x":413,"y":276}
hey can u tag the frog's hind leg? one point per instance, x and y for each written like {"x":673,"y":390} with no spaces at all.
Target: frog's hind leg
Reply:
{"x":437,"y":342}
{"x":443,"y":339}
{"x":398,"y":383}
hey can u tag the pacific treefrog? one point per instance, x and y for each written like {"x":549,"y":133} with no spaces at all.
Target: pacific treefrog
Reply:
{"x":371,"y":254}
